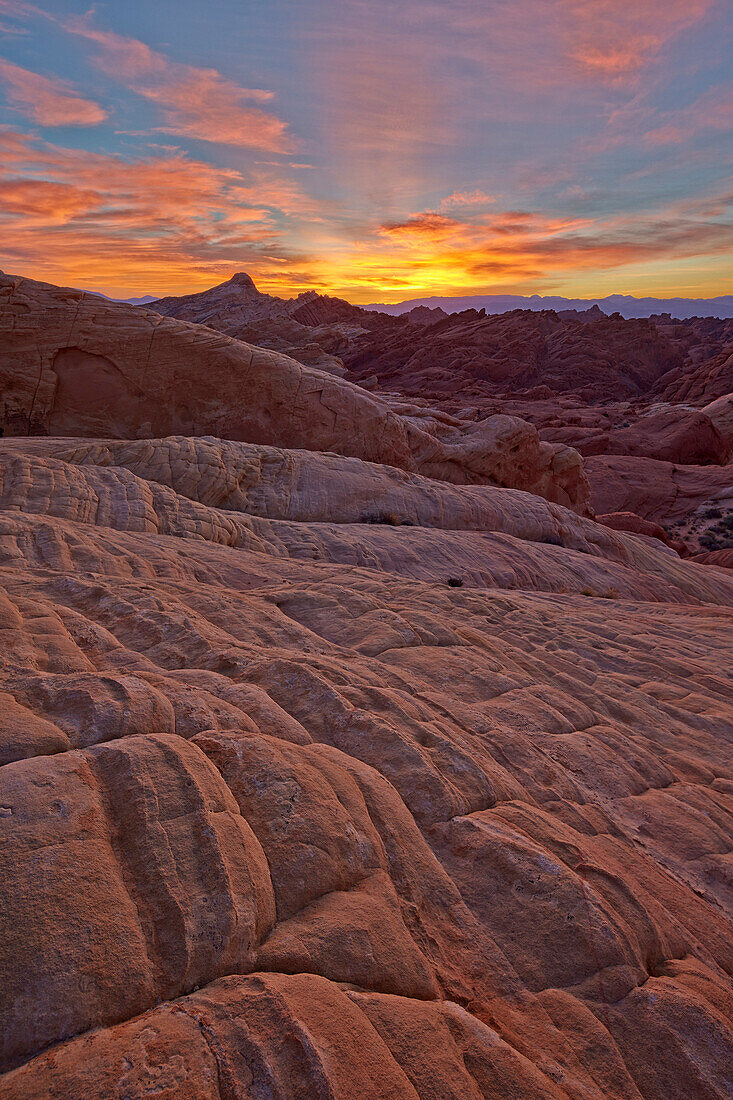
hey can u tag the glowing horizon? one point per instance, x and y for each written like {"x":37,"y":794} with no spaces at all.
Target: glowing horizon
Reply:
{"x":369,"y":150}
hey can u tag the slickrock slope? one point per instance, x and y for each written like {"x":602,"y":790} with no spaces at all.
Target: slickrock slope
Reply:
{"x":585,"y":380}
{"x":356,"y":513}
{"x":73,"y":364}
{"x":286,"y":814}
{"x":688,"y":500}
{"x":722,"y":558}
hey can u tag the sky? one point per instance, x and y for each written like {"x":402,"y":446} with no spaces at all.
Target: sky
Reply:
{"x":373,"y":149}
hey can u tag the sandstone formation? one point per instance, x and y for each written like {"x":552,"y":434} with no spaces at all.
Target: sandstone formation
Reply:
{"x":629,"y":521}
{"x":72,"y":363}
{"x":700,"y":382}
{"x":685,"y":499}
{"x":333,"y":762}
{"x":515,"y":351}
{"x":672,"y":433}
{"x":722,"y":558}
{"x":597,"y":384}
{"x":572,"y":351}
{"x":237,"y":308}
{"x":287,"y":814}
{"x":720,"y":414}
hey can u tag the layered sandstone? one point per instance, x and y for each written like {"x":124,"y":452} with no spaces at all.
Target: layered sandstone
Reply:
{"x":605,"y":359}
{"x":74,"y":364}
{"x":286,"y":811}
{"x":685,"y":499}
{"x":329,"y":768}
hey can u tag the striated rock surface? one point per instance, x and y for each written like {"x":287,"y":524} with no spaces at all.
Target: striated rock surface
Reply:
{"x":687,"y":500}
{"x":673,"y":433}
{"x":335,"y":763}
{"x":703,"y":381}
{"x":722,"y":558}
{"x":74,"y":364}
{"x":720,"y":413}
{"x":321,"y":778}
{"x":629,"y":521}
{"x":604,"y":359}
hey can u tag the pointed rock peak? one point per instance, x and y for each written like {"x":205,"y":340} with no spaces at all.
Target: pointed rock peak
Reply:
{"x":243,"y":279}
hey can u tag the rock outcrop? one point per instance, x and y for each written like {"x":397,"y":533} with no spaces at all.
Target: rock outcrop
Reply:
{"x":672,"y":433}
{"x":479,"y":355}
{"x":629,"y":521}
{"x":74,"y":364}
{"x":687,"y":501}
{"x":721,"y":558}
{"x":700,"y":382}
{"x":321,"y":778}
{"x":720,"y":414}
{"x":333,"y":762}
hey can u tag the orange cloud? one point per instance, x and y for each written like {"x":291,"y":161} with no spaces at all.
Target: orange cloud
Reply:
{"x":520,"y":251}
{"x":171,"y":224}
{"x":48,"y":100}
{"x":166,"y":222}
{"x":194,"y":102}
{"x":466,"y":198}
{"x":613,"y":40}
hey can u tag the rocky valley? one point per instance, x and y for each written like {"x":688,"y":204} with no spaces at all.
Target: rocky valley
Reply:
{"x":366,"y":722}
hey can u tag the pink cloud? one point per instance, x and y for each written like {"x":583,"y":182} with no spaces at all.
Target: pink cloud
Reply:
{"x":48,"y":100}
{"x":466,"y":198}
{"x":612,"y":40}
{"x":165,"y":221}
{"x":194,"y":102}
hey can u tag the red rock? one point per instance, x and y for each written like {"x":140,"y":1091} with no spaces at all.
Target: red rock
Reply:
{"x":720,"y":412}
{"x":700,"y":382}
{"x":658,"y":491}
{"x":671,"y":434}
{"x":324,"y":777}
{"x":721,"y":558}
{"x":516,"y":351}
{"x":629,"y":521}
{"x":74,"y":364}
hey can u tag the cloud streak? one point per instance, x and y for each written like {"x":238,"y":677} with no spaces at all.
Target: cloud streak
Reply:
{"x":453,"y":147}
{"x":196,"y":103}
{"x":165,"y":221}
{"x":47,"y":100}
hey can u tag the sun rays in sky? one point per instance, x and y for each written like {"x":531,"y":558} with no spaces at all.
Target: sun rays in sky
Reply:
{"x":369,"y":149}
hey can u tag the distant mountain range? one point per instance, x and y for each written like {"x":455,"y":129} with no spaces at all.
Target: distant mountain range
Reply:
{"x":145,"y":300}
{"x":625,"y":304}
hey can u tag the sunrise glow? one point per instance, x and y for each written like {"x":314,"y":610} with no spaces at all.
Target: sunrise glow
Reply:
{"x":419,"y":148}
